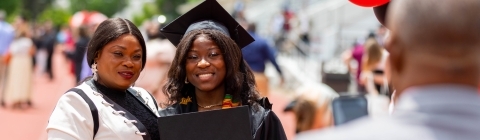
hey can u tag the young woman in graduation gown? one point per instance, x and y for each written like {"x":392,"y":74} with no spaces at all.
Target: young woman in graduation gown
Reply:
{"x":209,"y":73}
{"x":107,"y":106}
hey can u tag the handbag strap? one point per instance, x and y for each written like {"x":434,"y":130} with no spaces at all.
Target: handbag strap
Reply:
{"x":91,"y":105}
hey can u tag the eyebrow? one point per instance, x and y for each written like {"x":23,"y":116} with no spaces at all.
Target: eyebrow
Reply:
{"x":211,"y":48}
{"x":124,"y":48}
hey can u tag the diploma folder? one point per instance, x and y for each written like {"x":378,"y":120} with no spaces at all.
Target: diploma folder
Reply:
{"x":224,"y":124}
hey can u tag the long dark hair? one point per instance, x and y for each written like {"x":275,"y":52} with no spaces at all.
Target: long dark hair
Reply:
{"x":239,"y":80}
{"x":110,"y":30}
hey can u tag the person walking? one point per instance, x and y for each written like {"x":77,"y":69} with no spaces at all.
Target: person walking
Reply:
{"x":256,"y":55}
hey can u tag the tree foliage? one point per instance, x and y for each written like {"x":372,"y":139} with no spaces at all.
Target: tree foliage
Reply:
{"x":169,"y":8}
{"x":42,"y":10}
{"x":58,"y":16}
{"x":32,"y":8}
{"x":149,"y":11}
{"x":107,"y":7}
{"x":10,"y":6}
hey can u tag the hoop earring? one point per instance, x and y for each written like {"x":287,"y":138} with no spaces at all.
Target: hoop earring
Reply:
{"x":186,"y":80}
{"x":94,"y":71}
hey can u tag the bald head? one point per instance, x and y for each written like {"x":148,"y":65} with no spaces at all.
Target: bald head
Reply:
{"x":436,"y":22}
{"x":434,"y":42}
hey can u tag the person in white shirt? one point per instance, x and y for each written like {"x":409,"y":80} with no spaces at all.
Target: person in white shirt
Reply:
{"x":435,"y":69}
{"x":107,"y":106}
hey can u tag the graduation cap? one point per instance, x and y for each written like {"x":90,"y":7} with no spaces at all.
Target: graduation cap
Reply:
{"x":208,"y":15}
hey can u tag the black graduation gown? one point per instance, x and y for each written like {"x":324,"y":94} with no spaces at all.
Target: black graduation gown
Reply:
{"x":265,"y":124}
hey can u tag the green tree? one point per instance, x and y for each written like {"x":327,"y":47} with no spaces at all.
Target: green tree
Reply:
{"x":107,"y":7}
{"x":58,"y":16}
{"x":169,"y":8}
{"x":32,"y":8}
{"x":10,"y":6}
{"x":148,"y":12}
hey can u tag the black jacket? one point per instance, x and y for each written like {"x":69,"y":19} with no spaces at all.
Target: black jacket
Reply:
{"x":266,"y":125}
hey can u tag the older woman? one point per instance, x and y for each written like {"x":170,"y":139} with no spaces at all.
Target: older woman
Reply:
{"x":209,"y":73}
{"x":107,"y":106}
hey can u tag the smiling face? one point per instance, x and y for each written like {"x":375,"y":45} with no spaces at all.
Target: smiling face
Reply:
{"x":205,"y":66}
{"x":119,"y":63}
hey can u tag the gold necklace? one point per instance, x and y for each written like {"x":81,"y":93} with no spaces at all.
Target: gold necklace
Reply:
{"x":209,"y":106}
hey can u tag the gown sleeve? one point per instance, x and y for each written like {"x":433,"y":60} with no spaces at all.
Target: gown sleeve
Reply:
{"x":271,"y":128}
{"x":71,"y":119}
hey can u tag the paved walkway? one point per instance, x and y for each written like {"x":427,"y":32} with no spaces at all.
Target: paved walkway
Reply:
{"x":30,"y":124}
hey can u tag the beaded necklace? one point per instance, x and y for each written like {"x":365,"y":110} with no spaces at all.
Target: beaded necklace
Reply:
{"x":227,"y":103}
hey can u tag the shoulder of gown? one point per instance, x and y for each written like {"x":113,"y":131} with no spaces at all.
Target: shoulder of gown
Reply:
{"x":266,"y":125}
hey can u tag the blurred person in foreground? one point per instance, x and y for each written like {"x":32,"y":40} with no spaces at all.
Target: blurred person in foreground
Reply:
{"x":7,"y":34}
{"x":160,"y":55}
{"x":107,"y":106}
{"x":256,"y":55}
{"x":435,"y":62}
{"x":18,"y":87}
{"x":209,"y":73}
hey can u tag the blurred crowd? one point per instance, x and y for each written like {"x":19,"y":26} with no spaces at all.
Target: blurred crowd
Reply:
{"x":27,"y":47}
{"x":19,"y":45}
